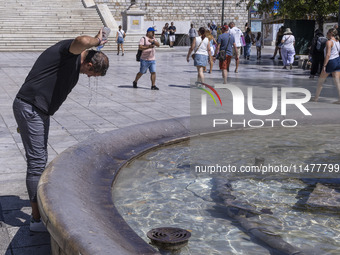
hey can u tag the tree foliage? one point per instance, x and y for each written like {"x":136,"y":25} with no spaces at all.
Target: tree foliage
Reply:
{"x":298,"y":9}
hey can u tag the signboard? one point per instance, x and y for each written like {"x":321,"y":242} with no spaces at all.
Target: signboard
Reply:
{"x":256,"y":26}
{"x":135,"y":22}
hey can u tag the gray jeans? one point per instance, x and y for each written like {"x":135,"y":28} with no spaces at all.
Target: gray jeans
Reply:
{"x":34,"y":126}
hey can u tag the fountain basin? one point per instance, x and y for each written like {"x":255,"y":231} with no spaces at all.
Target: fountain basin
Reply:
{"x":74,"y":193}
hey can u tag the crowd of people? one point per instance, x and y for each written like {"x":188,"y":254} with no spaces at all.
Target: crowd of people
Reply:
{"x":221,"y":43}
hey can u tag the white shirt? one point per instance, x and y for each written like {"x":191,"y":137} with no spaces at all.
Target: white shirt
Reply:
{"x":334,"y":51}
{"x":288,"y":41}
{"x":237,"y":33}
{"x":203,"y":49}
{"x":121,"y":33}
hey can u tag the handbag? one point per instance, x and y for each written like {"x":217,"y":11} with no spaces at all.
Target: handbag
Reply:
{"x":139,"y":53}
{"x":243,"y":41}
{"x":222,"y":55}
{"x":193,"y":55}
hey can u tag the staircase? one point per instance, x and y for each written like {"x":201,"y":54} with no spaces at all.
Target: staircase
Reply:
{"x":27,"y":25}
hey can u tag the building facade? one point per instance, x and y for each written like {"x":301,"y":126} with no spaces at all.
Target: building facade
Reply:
{"x":198,"y":12}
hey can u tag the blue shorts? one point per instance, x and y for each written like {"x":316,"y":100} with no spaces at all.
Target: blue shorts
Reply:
{"x":147,"y":64}
{"x":333,"y":65}
{"x":200,"y":60}
{"x":120,"y":40}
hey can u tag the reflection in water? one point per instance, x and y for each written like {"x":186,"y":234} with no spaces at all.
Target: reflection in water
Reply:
{"x":162,"y":189}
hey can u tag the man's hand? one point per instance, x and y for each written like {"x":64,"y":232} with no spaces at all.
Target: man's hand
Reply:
{"x":100,"y":37}
{"x":85,"y":42}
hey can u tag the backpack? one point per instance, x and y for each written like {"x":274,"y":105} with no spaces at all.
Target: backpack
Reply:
{"x":321,"y":43}
{"x":247,"y":38}
{"x":139,"y":53}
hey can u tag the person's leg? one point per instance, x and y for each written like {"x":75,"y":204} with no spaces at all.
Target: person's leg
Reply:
{"x":138,"y":75}
{"x":152,"y":69}
{"x":322,"y":78}
{"x":237,"y":61}
{"x":200,"y":74}
{"x":225,"y":76}
{"x":260,"y":52}
{"x":275,"y":52}
{"x":143,"y":67}
{"x":336,"y":78}
{"x":33,"y":126}
{"x":284,"y":57}
{"x":117,"y":48}
{"x":153,"y":79}
{"x":211,"y":62}
{"x":290,"y":57}
{"x":315,"y":66}
{"x":122,"y":49}
{"x":280,"y":53}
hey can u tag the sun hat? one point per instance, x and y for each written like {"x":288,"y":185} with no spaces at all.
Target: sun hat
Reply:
{"x":287,"y":31}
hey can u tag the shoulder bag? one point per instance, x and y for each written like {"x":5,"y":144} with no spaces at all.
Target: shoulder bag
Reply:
{"x":139,"y":52}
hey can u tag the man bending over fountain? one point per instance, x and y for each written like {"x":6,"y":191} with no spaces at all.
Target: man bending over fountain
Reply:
{"x":51,"y":79}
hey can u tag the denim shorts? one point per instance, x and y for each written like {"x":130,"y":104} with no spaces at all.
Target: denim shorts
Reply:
{"x":120,"y":40}
{"x":333,"y":65}
{"x":147,"y":64}
{"x":200,"y":60}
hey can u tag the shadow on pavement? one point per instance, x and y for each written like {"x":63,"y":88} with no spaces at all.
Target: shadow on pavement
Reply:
{"x":14,"y":229}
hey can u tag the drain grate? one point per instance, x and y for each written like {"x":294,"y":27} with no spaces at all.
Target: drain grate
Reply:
{"x":169,"y":238}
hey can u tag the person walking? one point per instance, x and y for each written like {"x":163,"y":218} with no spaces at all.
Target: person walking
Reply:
{"x":46,"y":87}
{"x":213,"y":45}
{"x":249,"y":38}
{"x":172,"y":37}
{"x":237,"y":33}
{"x":279,"y":36}
{"x":201,"y":48}
{"x":213,"y":29}
{"x":192,"y":33}
{"x":287,"y":49}
{"x":120,"y":39}
{"x":148,"y":58}
{"x":317,"y":52}
{"x":258,"y":44}
{"x":165,"y":33}
{"x":225,"y":44}
{"x":331,"y":64}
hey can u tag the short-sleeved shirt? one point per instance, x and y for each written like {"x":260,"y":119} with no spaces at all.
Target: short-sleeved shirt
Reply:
{"x":237,"y":33}
{"x":288,"y":41}
{"x":52,"y":78}
{"x":223,"y":40}
{"x":148,"y":54}
{"x":173,"y":28}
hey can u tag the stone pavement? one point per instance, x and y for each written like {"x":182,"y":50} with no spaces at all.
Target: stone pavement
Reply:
{"x":97,"y":105}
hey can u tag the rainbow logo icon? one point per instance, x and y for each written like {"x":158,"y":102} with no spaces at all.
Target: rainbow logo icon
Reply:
{"x":209,"y":93}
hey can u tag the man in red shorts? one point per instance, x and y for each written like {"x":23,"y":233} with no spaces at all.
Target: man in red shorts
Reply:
{"x":226,"y":42}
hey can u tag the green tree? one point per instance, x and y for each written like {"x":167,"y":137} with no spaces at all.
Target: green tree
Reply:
{"x":318,"y":10}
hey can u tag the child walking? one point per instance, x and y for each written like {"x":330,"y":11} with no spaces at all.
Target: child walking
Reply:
{"x":258,"y":43}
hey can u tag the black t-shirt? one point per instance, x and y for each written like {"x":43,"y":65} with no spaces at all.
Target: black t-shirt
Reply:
{"x":172,"y":28}
{"x":52,"y":78}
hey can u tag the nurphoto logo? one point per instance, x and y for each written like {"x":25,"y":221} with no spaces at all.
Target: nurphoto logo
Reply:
{"x":280,"y":101}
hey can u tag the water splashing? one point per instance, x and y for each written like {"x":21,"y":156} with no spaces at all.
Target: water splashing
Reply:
{"x":93,"y":90}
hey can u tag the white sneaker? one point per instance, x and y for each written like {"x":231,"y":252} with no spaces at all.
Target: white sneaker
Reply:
{"x":37,"y":226}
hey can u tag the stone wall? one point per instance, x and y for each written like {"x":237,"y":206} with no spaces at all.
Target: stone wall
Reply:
{"x":199,"y":12}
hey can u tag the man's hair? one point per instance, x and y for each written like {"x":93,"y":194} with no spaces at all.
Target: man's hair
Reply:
{"x":100,"y":62}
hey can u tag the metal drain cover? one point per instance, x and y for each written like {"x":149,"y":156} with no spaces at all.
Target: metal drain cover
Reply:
{"x":169,"y":238}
